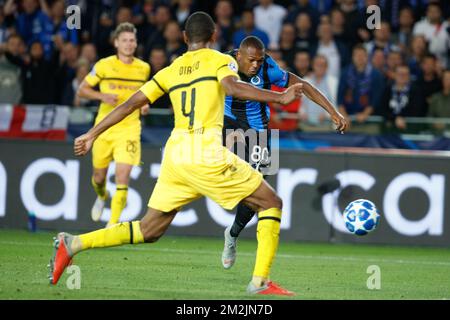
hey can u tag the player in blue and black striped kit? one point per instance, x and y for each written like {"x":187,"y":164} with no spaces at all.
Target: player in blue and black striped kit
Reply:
{"x":258,"y":68}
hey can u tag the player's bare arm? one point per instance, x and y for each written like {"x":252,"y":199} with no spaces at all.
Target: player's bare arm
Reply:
{"x":318,"y":97}
{"x":83,"y":143}
{"x":86,"y":91}
{"x":245,"y":91}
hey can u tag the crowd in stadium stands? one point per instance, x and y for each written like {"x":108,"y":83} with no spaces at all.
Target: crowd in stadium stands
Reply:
{"x":399,"y":69}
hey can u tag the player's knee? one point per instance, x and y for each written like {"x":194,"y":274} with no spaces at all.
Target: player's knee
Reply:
{"x":276,"y":202}
{"x":151,"y":238}
{"x":122,"y":179}
{"x":99,"y":178}
{"x":149,"y":234}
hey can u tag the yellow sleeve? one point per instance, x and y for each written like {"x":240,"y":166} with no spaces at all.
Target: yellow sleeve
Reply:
{"x":227,"y":67}
{"x":156,"y":87}
{"x":96,"y":74}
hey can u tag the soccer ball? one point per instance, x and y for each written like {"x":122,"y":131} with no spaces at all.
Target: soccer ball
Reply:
{"x":361,"y":217}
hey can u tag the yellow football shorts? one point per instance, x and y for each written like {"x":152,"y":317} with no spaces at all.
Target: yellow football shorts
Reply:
{"x":196,"y":165}
{"x":121,"y":149}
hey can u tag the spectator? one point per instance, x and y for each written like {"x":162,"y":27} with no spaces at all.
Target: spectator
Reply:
{"x":312,"y":115}
{"x":287,"y":44}
{"x":103,"y":29}
{"x":440,"y":102}
{"x":269,"y":18}
{"x":392,"y":11}
{"x":429,"y":82}
{"x":435,"y":31}
{"x":29,"y":23}
{"x":36,"y":87}
{"x":418,"y":51}
{"x":224,"y":17}
{"x":182,"y":10}
{"x":124,"y":14}
{"x":304,"y":6}
{"x":337,"y":20}
{"x":304,"y":36}
{"x":66,"y":71}
{"x":381,"y":41}
{"x":302,"y":63}
{"x":278,"y":57}
{"x":89,"y":54}
{"x":335,"y":51}
{"x":174,"y":44}
{"x":105,"y":41}
{"x":354,"y":25}
{"x":403,"y":36}
{"x":248,"y":29}
{"x":323,"y":7}
{"x":394,"y":59}
{"x":10,"y":71}
{"x":401,"y":99}
{"x":158,"y":60}
{"x":71,"y":98}
{"x":360,"y":87}
{"x":138,"y":18}
{"x":55,"y":31}
{"x":5,"y":30}
{"x":378,"y":62}
{"x":155,"y":30}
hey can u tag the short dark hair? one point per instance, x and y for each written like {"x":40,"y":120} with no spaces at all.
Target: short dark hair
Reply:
{"x":359,"y":46}
{"x":199,"y":27}
{"x":434,"y":4}
{"x":252,"y":42}
{"x":248,"y":10}
{"x":429,"y":56}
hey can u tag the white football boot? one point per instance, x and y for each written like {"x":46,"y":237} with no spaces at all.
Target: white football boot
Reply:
{"x":229,"y":250}
{"x":97,"y":208}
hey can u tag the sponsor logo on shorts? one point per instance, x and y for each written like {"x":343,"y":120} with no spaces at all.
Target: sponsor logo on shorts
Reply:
{"x":132,"y":146}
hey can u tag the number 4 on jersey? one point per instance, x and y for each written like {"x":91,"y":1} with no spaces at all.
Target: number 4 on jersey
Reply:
{"x":192,"y":110}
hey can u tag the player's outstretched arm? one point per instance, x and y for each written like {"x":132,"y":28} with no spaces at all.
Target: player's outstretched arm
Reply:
{"x":87,"y":92}
{"x":245,"y":91}
{"x":83,"y":143}
{"x":318,"y":97}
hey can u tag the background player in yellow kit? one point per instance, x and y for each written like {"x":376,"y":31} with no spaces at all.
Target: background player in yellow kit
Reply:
{"x":195,"y":163}
{"x":118,"y":77}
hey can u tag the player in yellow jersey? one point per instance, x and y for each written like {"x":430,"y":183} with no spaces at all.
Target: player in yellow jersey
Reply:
{"x":195,"y":163}
{"x":118,"y":77}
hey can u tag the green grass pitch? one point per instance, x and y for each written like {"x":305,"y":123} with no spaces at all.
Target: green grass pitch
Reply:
{"x":190,"y":268}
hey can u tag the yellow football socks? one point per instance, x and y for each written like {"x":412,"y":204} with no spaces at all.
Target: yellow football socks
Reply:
{"x":118,"y":202}
{"x":100,"y":189}
{"x":267,"y":234}
{"x":116,"y":235}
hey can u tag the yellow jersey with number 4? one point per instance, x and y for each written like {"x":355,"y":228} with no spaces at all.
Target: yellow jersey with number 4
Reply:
{"x":193,"y":84}
{"x":115,"y":77}
{"x":195,"y":162}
